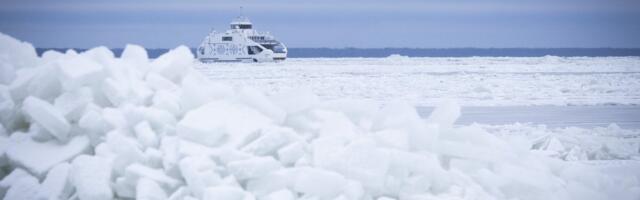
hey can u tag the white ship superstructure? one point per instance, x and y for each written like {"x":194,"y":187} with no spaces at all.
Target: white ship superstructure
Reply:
{"x":241,"y":43}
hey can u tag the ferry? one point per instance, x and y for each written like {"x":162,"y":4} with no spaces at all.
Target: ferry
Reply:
{"x":241,"y":43}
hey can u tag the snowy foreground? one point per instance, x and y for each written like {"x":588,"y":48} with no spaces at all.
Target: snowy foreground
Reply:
{"x":93,"y":126}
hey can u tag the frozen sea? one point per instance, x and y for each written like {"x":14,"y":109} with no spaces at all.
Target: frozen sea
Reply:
{"x":94,"y":125}
{"x":553,"y":91}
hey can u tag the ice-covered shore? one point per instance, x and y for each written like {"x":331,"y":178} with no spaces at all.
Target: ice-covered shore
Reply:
{"x":93,"y":126}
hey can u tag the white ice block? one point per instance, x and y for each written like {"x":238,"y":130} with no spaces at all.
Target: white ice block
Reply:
{"x":173,"y":64}
{"x":72,"y":103}
{"x":197,"y":89}
{"x":91,"y":177}
{"x":253,"y":167}
{"x":25,"y":188}
{"x":8,"y":111}
{"x":269,"y":141}
{"x":198,"y":172}
{"x":19,"y":88}
{"x":39,"y":157}
{"x":137,"y":171}
{"x":224,"y":193}
{"x":18,"y":53}
{"x":45,"y":83}
{"x":272,"y":182}
{"x":48,"y":116}
{"x":220,"y":121}
{"x":283,"y":194}
{"x":160,"y":83}
{"x":146,"y":136}
{"x":392,"y":139}
{"x":10,"y":179}
{"x":137,"y":56}
{"x":147,"y":189}
{"x":168,"y":101}
{"x":57,"y":184}
{"x":126,"y":149}
{"x":256,"y":99}
{"x":445,"y":114}
{"x":319,"y":183}
{"x":291,"y":153}
{"x":79,"y":71}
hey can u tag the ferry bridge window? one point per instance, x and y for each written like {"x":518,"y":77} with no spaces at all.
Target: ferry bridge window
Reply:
{"x":278,"y":49}
{"x":254,"y":50}
{"x":227,"y":38}
{"x":245,"y":26}
{"x":201,"y":50}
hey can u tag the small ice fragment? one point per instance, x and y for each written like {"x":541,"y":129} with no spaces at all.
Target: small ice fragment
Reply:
{"x":283,"y":194}
{"x":253,"y":167}
{"x":198,"y":172}
{"x":320,"y":183}
{"x":38,"y":157}
{"x":269,"y":141}
{"x":57,"y":184}
{"x":79,"y":71}
{"x":211,"y":123}
{"x":291,"y":153}
{"x":147,"y":189}
{"x":137,"y":171}
{"x":25,"y":188}
{"x":145,"y":135}
{"x":91,"y":177}
{"x":48,"y":116}
{"x":224,"y":193}
{"x":445,"y":114}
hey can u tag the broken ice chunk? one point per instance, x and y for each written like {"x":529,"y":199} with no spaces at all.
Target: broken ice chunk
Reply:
{"x":145,"y":135}
{"x":253,"y":167}
{"x":320,"y":183}
{"x":283,"y":194}
{"x":291,"y":153}
{"x":260,"y":102}
{"x":212,"y":122}
{"x":38,"y":157}
{"x":91,"y":177}
{"x":148,"y":189}
{"x":126,"y":148}
{"x":198,"y":172}
{"x":269,"y":141}
{"x":445,"y":114}
{"x":224,"y":193}
{"x":11,"y":179}
{"x":57,"y":184}
{"x":137,"y":171}
{"x":48,"y":116}
{"x":79,"y":71}
{"x":198,"y":90}
{"x":26,"y":188}
{"x":72,"y":103}
{"x":136,"y":55}
{"x":173,"y":64}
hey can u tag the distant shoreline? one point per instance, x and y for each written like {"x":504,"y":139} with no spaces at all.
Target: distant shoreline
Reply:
{"x":424,"y":52}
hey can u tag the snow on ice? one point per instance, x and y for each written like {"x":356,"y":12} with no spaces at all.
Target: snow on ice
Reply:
{"x":94,"y":126}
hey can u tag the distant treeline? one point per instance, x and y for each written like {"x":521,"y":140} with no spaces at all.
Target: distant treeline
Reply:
{"x":426,"y":52}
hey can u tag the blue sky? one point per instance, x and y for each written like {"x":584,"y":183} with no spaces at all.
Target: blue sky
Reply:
{"x":329,"y":23}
